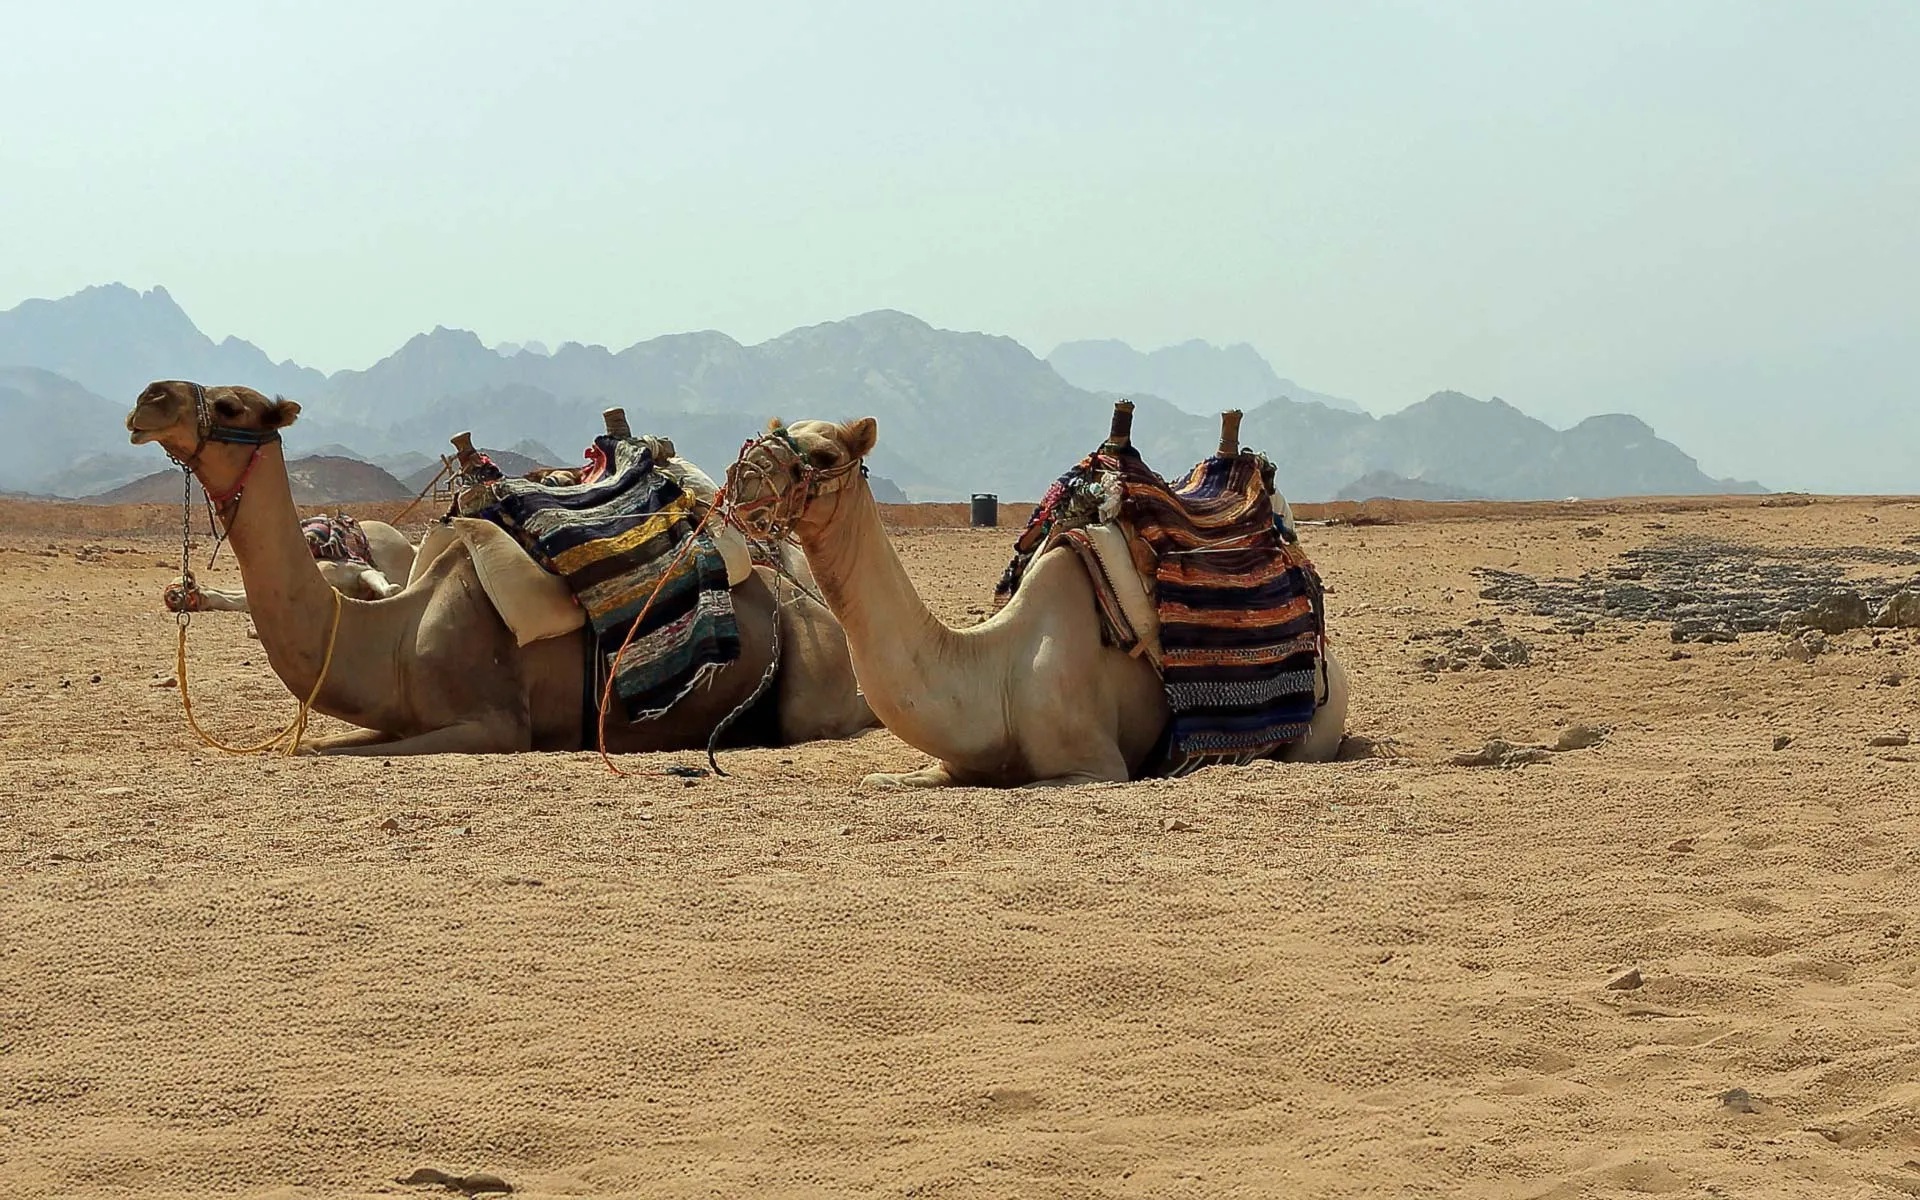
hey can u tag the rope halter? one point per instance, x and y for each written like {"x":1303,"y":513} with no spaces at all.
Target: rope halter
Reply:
{"x":787,"y":482}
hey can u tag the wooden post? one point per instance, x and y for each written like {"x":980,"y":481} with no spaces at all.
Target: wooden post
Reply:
{"x":463,"y":445}
{"x":616,"y":422}
{"x":1121,"y":432}
{"x":1230,"y":433}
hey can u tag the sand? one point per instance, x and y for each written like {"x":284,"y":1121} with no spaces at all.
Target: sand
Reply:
{"x":1382,"y":977}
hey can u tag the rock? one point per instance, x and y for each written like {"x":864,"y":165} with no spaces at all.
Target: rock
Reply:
{"x":1837,"y":612}
{"x":1490,"y":755}
{"x":1506,"y":652}
{"x":479,"y":1183}
{"x":1700,"y":629}
{"x":1892,"y":679}
{"x":1901,"y":611}
{"x":1581,"y":737}
{"x":1677,"y":655}
{"x":1178,"y":825}
{"x":1626,"y":981}
{"x":168,"y":682}
{"x":1889,"y":739}
{"x":1781,"y":741}
{"x":1740,"y":1100}
{"x":1805,"y":648}
{"x":1591,"y":531}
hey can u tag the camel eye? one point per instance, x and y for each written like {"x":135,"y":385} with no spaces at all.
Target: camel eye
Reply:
{"x":227,"y":407}
{"x":820,"y":458}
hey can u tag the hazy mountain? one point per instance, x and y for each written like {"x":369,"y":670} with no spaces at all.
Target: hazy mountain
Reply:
{"x":60,"y":439}
{"x":114,"y":341}
{"x":1385,"y":485}
{"x":1198,"y":377}
{"x":959,"y":412}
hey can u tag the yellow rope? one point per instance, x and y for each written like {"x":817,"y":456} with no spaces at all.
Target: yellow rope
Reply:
{"x":296,"y":730}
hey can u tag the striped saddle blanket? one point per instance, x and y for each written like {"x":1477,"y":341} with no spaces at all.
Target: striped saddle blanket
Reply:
{"x":1241,"y":611}
{"x":338,"y":538}
{"x":613,"y":540}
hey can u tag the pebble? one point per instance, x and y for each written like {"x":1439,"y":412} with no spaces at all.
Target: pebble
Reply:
{"x":1890,"y":739}
{"x":1781,"y":741}
{"x":1627,"y":981}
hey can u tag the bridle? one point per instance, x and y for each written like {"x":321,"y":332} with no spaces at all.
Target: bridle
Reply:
{"x":227,"y":501}
{"x":777,"y":505}
{"x":224,"y":503}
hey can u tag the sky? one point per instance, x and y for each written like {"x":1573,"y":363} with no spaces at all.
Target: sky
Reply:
{"x":1699,"y":212}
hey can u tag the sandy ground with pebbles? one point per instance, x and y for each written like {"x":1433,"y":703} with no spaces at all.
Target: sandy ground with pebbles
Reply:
{"x":1382,"y":977}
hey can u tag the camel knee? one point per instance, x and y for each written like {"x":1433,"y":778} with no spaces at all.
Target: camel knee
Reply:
{"x":1329,"y":723}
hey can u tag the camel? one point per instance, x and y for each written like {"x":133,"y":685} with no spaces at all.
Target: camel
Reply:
{"x":1031,"y":697}
{"x":391,"y":556}
{"x":434,"y":668}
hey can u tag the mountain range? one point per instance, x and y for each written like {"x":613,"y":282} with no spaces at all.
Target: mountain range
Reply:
{"x":1198,"y":377}
{"x":959,"y":412}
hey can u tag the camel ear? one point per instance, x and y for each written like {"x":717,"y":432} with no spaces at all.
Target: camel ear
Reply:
{"x":860,"y":436}
{"x":280,"y":414}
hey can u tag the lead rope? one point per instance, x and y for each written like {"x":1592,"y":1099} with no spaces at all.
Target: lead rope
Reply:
{"x":295,"y":730}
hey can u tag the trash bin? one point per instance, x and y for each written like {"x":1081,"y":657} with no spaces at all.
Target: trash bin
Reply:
{"x":986,"y":510}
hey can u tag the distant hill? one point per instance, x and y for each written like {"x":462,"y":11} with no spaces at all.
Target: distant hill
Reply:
{"x":959,"y":412}
{"x":1385,"y":485}
{"x":1198,"y":377}
{"x":322,"y":479}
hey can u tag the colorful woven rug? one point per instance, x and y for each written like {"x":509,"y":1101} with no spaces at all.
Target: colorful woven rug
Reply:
{"x":1241,"y":611}
{"x":612,"y":540}
{"x":336,"y":539}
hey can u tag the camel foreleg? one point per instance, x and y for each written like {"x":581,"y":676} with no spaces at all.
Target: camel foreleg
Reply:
{"x":471,"y":737}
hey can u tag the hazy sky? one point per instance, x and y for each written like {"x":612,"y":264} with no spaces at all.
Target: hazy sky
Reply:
{"x":1702,"y":213}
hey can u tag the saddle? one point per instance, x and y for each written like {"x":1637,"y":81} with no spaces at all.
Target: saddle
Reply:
{"x":1237,"y":620}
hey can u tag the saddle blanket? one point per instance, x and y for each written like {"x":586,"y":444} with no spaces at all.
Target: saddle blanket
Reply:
{"x":613,"y":540}
{"x":1240,"y":606}
{"x":338,"y":538}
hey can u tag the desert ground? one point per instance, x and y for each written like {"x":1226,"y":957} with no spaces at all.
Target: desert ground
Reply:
{"x":1683,"y":960}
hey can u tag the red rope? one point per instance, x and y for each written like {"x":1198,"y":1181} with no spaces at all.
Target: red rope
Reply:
{"x":606,"y":693}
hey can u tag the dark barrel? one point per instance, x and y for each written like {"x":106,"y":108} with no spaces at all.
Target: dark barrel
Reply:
{"x":986,"y":510}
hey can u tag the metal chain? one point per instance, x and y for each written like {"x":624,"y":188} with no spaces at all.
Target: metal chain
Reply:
{"x":187,"y":588}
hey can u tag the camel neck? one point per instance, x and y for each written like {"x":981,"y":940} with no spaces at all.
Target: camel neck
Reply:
{"x":901,"y":652}
{"x":291,"y":603}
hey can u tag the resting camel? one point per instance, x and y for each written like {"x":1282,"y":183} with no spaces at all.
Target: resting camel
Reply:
{"x":1029,"y":697}
{"x":392,"y":558}
{"x":435,"y":669}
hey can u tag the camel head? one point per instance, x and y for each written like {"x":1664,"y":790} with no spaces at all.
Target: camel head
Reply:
{"x":780,"y":474}
{"x":217,"y":431}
